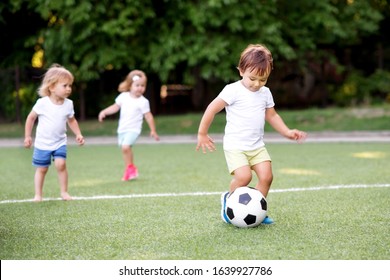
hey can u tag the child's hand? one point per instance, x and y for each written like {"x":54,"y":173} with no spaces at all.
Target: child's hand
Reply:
{"x":155,"y":135}
{"x":205,"y":142}
{"x":297,"y":135}
{"x":101,"y":116}
{"x":27,"y":142}
{"x":80,"y":139}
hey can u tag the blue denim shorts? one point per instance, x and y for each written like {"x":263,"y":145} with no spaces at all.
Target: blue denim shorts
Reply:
{"x":43,"y":158}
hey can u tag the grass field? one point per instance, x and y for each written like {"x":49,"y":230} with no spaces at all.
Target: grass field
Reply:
{"x":329,"y":201}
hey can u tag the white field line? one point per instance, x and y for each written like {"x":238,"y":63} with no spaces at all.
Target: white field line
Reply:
{"x":336,"y":187}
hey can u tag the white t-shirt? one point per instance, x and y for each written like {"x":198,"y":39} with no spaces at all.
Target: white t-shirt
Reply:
{"x":132,"y":112}
{"x":52,"y":120}
{"x":245,"y":116}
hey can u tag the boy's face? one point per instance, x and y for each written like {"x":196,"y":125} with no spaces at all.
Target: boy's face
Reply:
{"x":253,"y":81}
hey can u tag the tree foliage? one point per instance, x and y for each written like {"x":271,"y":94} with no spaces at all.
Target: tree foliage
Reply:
{"x":190,"y":42}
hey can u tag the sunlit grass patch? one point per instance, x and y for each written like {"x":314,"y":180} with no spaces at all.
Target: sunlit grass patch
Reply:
{"x":88,"y":183}
{"x":370,"y":155}
{"x":297,"y":171}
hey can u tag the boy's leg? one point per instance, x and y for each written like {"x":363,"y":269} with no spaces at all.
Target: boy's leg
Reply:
{"x":41,"y":160}
{"x":242,"y":176}
{"x":60,"y":164}
{"x":39,"y":179}
{"x":238,"y":166}
{"x":264,"y":174}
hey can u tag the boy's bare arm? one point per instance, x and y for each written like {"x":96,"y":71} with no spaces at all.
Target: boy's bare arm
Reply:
{"x":276,"y":121}
{"x":204,"y":140}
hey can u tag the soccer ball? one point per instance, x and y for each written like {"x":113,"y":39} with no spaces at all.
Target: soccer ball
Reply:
{"x":246,"y":207}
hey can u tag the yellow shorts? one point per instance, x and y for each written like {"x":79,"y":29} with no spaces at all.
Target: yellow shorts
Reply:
{"x":236,"y":159}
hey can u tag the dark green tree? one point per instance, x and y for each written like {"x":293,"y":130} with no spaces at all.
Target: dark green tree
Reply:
{"x":192,"y":42}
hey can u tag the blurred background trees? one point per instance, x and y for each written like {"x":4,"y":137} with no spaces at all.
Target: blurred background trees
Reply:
{"x":326,"y":53}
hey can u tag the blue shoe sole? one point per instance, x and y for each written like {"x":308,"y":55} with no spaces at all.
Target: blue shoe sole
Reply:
{"x":267,"y":221}
{"x":223,"y":207}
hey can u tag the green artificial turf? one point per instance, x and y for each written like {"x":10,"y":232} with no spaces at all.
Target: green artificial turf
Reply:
{"x":329,"y":202}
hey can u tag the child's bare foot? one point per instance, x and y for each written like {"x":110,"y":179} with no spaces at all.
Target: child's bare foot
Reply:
{"x":66,"y":196}
{"x":37,"y":198}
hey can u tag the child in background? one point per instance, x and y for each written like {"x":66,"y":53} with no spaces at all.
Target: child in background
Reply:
{"x":133,"y":108}
{"x":54,"y":110}
{"x":248,"y":104}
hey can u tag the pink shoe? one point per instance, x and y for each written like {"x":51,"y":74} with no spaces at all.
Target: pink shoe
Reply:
{"x":133,"y":174}
{"x":126,"y":174}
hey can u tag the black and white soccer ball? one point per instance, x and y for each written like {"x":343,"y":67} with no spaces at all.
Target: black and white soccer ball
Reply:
{"x":246,"y":207}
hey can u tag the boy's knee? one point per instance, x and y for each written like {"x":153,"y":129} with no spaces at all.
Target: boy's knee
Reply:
{"x":60,"y":164}
{"x":266,"y":179}
{"x":243,"y":178}
{"x":42,"y":170}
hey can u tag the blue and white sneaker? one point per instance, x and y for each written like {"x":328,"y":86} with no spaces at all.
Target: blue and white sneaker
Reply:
{"x":223,"y":208}
{"x":267,"y":221}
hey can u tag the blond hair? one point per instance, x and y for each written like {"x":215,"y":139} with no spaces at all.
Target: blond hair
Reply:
{"x":54,"y":74}
{"x":256,"y":58}
{"x":134,"y":75}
